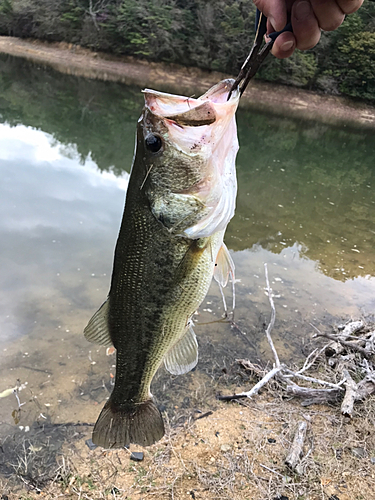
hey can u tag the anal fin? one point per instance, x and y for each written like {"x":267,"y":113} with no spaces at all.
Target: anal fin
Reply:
{"x":97,"y":330}
{"x":183,"y":356}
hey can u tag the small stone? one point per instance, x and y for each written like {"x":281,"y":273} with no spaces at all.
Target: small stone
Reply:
{"x":90,"y":444}
{"x":137,"y":456}
{"x":225,"y":447}
{"x":359,"y":452}
{"x":372,"y":460}
{"x":271,"y":440}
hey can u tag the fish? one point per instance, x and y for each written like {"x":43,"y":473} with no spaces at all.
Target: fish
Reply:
{"x":180,"y":198}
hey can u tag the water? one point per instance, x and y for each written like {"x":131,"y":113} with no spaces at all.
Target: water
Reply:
{"x":305,"y":207}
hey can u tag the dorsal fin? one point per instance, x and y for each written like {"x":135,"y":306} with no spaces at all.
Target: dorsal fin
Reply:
{"x":183,"y":356}
{"x":97,"y":330}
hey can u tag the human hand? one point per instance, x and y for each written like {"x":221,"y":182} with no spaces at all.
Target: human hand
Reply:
{"x":307,"y":18}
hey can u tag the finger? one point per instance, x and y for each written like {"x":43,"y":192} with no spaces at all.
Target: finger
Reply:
{"x":275,"y":10}
{"x":328,"y":14}
{"x":284,"y":45}
{"x":305,"y":25}
{"x":349,"y":6}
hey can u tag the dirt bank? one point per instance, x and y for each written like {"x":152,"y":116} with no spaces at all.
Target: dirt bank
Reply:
{"x":236,"y":452}
{"x":263,"y":96}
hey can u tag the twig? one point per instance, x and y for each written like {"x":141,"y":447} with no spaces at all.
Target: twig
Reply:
{"x":256,"y":387}
{"x":291,"y":374}
{"x":273,"y":317}
{"x":271,"y":470}
{"x":296,"y":450}
{"x":308,"y":364}
{"x":18,"y":399}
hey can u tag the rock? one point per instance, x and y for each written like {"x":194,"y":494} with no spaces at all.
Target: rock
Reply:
{"x":359,"y":452}
{"x":372,"y":460}
{"x":137,"y":456}
{"x":225,"y":447}
{"x":271,"y":440}
{"x":90,"y":444}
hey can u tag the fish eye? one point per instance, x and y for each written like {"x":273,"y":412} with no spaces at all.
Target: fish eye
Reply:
{"x":153,"y":143}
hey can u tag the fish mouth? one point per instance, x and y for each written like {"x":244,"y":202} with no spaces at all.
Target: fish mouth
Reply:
{"x":188,"y":111}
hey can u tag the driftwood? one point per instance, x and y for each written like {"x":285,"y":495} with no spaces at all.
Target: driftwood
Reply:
{"x":353,"y":345}
{"x":312,"y":396}
{"x":350,"y":395}
{"x":350,"y":349}
{"x":296,"y":450}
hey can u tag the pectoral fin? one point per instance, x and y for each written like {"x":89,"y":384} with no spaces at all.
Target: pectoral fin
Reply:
{"x":97,"y":330}
{"x":183,"y":356}
{"x":224,"y":266}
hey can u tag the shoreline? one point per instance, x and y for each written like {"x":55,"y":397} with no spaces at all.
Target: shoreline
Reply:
{"x":260,"y":96}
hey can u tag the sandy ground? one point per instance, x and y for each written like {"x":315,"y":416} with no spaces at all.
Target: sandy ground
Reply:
{"x":278,"y":99}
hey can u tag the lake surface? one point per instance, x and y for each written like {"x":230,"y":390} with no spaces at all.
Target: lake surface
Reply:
{"x":306,"y":207}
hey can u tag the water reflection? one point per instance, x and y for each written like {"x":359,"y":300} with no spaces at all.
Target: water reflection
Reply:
{"x":54,"y":213}
{"x":305,"y":206}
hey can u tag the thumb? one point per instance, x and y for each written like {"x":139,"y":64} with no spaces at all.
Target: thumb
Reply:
{"x":275,"y":10}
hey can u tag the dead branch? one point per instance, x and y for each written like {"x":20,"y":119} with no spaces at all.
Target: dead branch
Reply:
{"x":296,"y":450}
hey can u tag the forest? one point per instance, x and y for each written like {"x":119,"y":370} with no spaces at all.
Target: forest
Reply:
{"x":209,"y":34}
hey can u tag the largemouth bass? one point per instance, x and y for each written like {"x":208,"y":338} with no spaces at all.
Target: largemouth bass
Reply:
{"x":180,"y":198}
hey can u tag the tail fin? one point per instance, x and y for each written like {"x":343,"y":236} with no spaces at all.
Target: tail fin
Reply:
{"x":139,"y":424}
